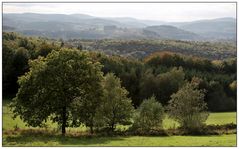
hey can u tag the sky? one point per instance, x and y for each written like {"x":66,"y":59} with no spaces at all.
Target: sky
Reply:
{"x":170,"y":12}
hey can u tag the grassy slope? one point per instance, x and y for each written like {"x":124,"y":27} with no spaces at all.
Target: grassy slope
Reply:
{"x":39,"y":140}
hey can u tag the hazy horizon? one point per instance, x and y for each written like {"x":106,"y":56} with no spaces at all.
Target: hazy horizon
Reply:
{"x":118,"y":17}
{"x":167,"y":12}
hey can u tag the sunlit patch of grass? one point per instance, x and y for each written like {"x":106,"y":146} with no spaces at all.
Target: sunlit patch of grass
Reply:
{"x":214,"y":118}
{"x":15,"y":133}
{"x":218,"y":118}
{"x":221,"y":118}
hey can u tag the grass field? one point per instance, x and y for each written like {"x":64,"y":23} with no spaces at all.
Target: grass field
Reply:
{"x":224,"y":140}
{"x":57,"y":140}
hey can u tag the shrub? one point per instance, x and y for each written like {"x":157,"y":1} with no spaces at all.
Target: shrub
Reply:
{"x":149,"y":115}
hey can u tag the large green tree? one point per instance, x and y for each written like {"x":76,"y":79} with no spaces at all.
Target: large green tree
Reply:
{"x":54,"y":85}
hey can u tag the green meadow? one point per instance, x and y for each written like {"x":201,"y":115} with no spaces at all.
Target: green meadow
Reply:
{"x":12,"y":136}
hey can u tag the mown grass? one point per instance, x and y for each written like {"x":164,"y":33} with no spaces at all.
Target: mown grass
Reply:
{"x":39,"y":139}
{"x":222,"y":118}
{"x":218,"y":118}
{"x":42,"y":140}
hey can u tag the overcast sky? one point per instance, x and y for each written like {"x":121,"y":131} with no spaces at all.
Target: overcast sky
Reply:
{"x":150,"y":11}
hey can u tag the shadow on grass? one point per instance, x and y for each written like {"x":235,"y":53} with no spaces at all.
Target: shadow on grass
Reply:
{"x":50,"y":138}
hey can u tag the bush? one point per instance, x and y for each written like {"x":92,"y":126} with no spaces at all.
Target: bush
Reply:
{"x":149,"y":115}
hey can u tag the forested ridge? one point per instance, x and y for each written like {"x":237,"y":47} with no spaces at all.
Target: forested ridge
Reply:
{"x":158,"y":73}
{"x":143,"y":48}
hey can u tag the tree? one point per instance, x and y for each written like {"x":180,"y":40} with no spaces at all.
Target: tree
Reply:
{"x":8,"y":76}
{"x":149,"y":115}
{"x":162,"y":85}
{"x":169,"y":83}
{"x":62,"y":43}
{"x":20,"y":61}
{"x":116,"y":107}
{"x":44,"y":49}
{"x":53,"y":85}
{"x":233,"y":89}
{"x":131,"y":81}
{"x":218,"y":100}
{"x":148,"y":85}
{"x":187,"y":106}
{"x":85,"y":108}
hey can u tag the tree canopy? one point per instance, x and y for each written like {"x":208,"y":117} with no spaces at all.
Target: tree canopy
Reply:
{"x":116,"y":107}
{"x":53,"y":85}
{"x":149,"y":115}
{"x":187,"y":106}
{"x":140,"y":77}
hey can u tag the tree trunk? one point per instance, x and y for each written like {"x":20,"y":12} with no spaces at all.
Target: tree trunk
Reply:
{"x":63,"y":127}
{"x":91,"y":124}
{"x":91,"y":129}
{"x":113,"y":121}
{"x":112,"y":127}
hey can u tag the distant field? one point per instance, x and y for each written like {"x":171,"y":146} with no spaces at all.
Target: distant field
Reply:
{"x":44,"y":140}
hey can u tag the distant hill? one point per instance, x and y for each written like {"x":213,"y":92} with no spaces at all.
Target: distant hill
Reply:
{"x":89,"y":27}
{"x":221,"y":28}
{"x":171,"y":32}
{"x":8,"y":28}
{"x":130,"y":22}
{"x":136,"y":23}
{"x":61,"y":21}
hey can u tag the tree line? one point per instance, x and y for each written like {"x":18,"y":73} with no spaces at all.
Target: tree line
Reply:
{"x":142,"y":48}
{"x":69,"y":88}
{"x":160,"y":74}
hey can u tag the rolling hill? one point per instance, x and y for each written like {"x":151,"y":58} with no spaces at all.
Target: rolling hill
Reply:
{"x":89,"y":27}
{"x":220,"y":28}
{"x":171,"y":32}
